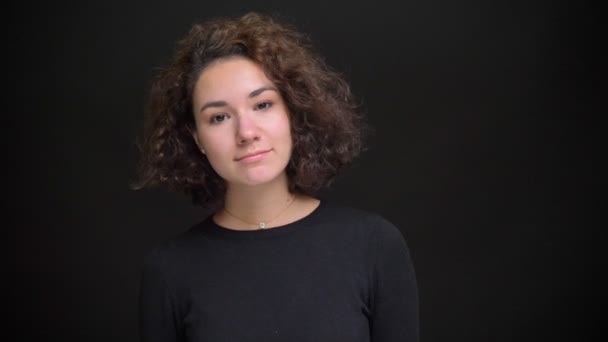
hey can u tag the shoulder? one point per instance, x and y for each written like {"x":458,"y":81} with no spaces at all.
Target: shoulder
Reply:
{"x":370,"y":224}
{"x":175,"y":250}
{"x":345,"y":214}
{"x":381,"y":243}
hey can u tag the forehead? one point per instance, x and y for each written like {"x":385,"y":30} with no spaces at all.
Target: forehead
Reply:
{"x":228,"y":77}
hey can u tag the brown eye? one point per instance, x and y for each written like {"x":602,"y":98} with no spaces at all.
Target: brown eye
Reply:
{"x":263,"y":105}
{"x":218,"y":118}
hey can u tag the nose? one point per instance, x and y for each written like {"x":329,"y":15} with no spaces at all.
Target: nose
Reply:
{"x":246,"y":130}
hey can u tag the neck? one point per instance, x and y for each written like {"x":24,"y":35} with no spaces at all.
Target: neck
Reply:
{"x":258,"y":203}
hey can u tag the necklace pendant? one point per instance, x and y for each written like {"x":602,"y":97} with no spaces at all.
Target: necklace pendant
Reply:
{"x":262,"y":225}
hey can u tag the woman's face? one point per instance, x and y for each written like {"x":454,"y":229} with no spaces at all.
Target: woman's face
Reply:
{"x":242,"y":123}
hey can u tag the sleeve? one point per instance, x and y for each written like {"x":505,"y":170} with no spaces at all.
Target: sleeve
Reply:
{"x":395,"y":315}
{"x":158,"y":318}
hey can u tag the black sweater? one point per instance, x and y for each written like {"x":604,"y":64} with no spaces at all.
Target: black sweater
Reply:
{"x":338,"y":274}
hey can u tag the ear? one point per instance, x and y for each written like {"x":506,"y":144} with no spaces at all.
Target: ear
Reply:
{"x":197,"y":142}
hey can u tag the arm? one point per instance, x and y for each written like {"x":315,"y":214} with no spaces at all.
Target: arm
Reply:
{"x":395,"y":315}
{"x":158,"y":318}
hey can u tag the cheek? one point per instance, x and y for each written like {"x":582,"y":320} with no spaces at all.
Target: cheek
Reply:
{"x":285,"y":128}
{"x":208,"y":140}
{"x":288,"y":136}
{"x":218,"y":161}
{"x":215,"y":151}
{"x":215,"y":147}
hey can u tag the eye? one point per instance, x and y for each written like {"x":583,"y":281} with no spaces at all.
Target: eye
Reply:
{"x":263,"y":105}
{"x":218,"y":118}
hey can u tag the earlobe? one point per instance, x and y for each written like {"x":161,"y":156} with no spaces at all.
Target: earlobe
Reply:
{"x":195,"y":137}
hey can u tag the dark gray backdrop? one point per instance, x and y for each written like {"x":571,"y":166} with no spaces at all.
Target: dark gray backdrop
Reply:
{"x":486,"y":154}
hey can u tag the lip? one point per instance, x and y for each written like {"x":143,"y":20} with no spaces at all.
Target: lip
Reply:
{"x":253,"y":156}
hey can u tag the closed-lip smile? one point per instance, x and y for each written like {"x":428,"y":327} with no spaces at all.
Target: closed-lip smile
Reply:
{"x":252,"y":156}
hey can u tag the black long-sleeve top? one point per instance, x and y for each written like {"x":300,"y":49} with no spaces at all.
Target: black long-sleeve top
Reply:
{"x":339,"y":274}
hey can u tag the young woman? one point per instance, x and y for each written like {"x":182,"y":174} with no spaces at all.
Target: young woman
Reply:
{"x":251,"y":124}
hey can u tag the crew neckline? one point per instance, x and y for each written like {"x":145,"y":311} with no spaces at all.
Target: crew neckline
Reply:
{"x":209,"y":226}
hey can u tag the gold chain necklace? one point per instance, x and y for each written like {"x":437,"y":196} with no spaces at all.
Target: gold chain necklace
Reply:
{"x":263,"y":224}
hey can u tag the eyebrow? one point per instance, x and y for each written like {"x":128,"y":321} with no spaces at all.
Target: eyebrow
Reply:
{"x":251,"y":95}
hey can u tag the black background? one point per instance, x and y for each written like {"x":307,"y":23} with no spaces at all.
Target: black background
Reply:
{"x":486,"y":154}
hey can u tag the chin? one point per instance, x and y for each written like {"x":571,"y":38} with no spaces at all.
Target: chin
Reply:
{"x":261,"y":177}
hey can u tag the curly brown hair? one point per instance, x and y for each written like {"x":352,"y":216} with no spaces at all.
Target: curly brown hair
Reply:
{"x":326,"y":126}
